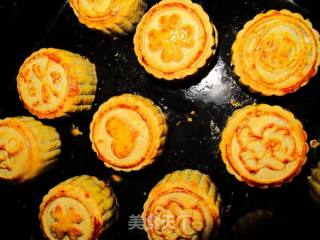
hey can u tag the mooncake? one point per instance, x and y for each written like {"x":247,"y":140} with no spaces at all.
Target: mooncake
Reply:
{"x":174,"y":39}
{"x":80,"y":208}
{"x":55,"y":83}
{"x":314,"y":184}
{"x":27,"y":148}
{"x":183,"y":205}
{"x":276,"y":53}
{"x":128,"y":132}
{"x":113,"y":17}
{"x":264,"y":145}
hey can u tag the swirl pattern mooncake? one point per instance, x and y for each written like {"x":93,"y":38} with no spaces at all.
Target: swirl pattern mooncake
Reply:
{"x":27,"y":147}
{"x":183,"y":205}
{"x":54,"y":83}
{"x":80,"y":208}
{"x":128,"y":132}
{"x":276,"y":53}
{"x":264,"y":145}
{"x":174,"y":39}
{"x":109,"y":16}
{"x":314,"y":184}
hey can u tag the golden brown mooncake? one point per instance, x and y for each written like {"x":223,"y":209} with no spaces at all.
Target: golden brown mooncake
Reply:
{"x":116,"y":17}
{"x":314,"y":184}
{"x":80,"y":208}
{"x":183,"y":205}
{"x":128,"y":132}
{"x":264,"y":145}
{"x":27,"y":147}
{"x":55,"y":83}
{"x":174,"y":39}
{"x":276,"y":53}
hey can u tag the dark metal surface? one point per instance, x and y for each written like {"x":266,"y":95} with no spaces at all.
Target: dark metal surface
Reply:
{"x":30,"y":25}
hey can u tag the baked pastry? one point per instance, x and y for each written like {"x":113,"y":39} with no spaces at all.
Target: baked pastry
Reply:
{"x":276,"y":53}
{"x":314,"y":184}
{"x":174,"y":39}
{"x":80,"y":208}
{"x":111,"y":17}
{"x":128,"y":132}
{"x":27,"y":147}
{"x":54,"y":83}
{"x":264,"y":145}
{"x":183,"y":205}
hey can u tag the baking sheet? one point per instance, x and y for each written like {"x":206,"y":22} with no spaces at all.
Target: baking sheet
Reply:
{"x":213,"y":95}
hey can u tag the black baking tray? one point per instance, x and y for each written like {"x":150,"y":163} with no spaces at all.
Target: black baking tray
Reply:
{"x":29,"y":25}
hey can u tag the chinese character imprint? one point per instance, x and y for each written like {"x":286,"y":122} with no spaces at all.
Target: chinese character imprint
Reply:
{"x":174,"y":221}
{"x":273,"y":148}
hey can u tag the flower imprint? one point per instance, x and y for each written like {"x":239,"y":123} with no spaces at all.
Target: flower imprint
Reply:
{"x":272,"y":149}
{"x":277,"y":52}
{"x":173,"y":221}
{"x":65,"y":223}
{"x":8,"y":149}
{"x":171,"y":38}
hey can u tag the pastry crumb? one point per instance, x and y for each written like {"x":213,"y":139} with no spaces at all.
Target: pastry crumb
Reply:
{"x":235,"y":103}
{"x":189,"y":119}
{"x":116,"y":178}
{"x":193,"y":113}
{"x":314,"y":143}
{"x":75,"y":131}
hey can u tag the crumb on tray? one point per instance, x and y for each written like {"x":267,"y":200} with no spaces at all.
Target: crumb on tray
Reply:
{"x":314,"y":143}
{"x":235,"y":103}
{"x":116,"y":178}
{"x":75,"y":131}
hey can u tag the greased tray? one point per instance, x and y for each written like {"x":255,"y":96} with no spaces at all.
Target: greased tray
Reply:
{"x":208,"y":100}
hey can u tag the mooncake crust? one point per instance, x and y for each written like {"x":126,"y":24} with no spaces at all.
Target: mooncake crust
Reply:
{"x":189,"y":201}
{"x":80,"y":208}
{"x":55,"y":83}
{"x":264,"y":146}
{"x":174,"y":39}
{"x":112,"y":17}
{"x":27,"y":148}
{"x":128,"y":132}
{"x":276,"y":53}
